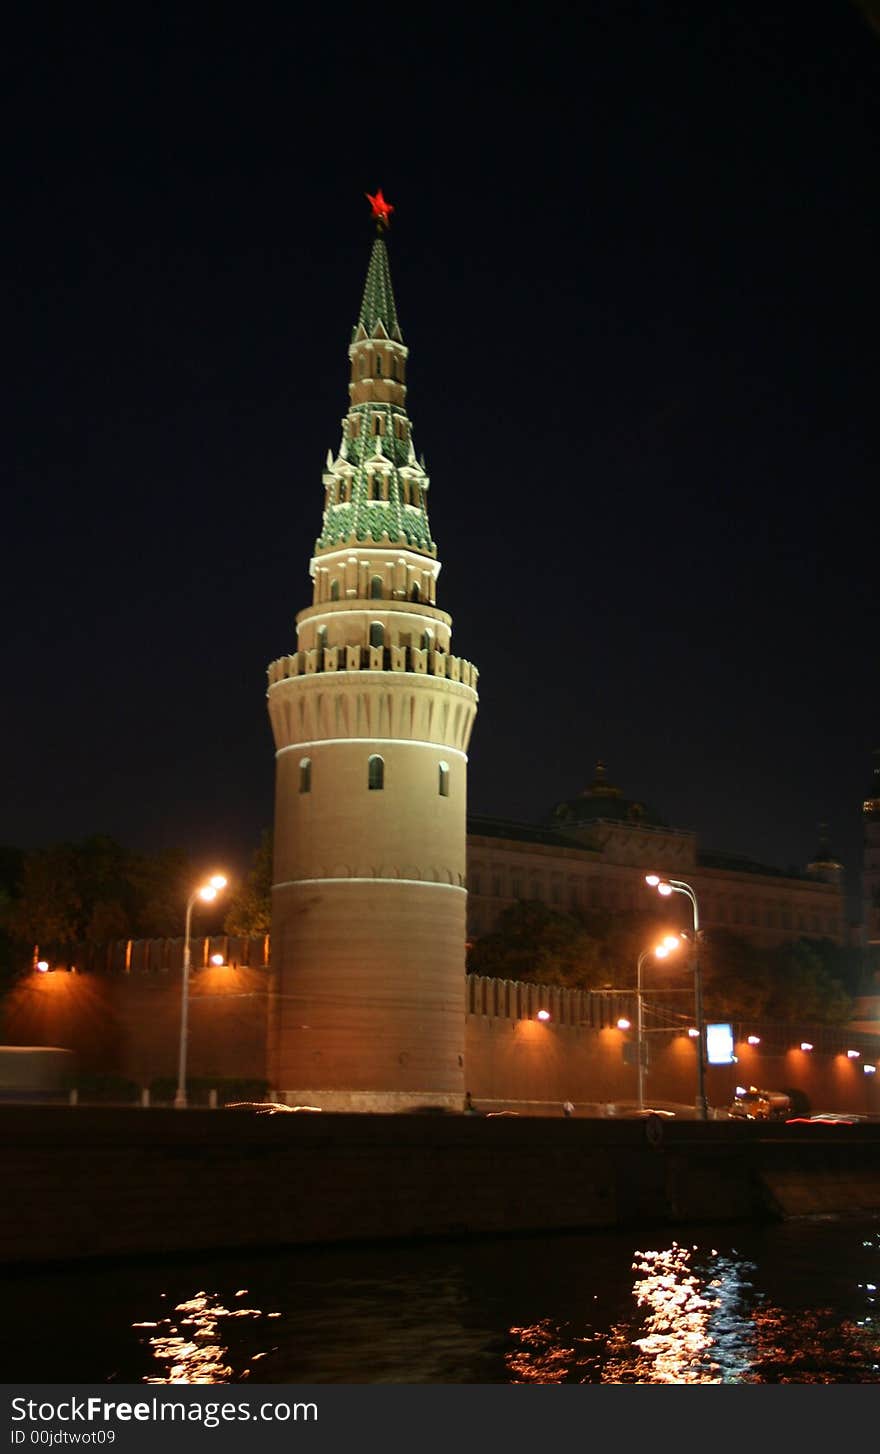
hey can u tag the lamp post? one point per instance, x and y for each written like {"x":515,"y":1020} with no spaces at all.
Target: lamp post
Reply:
{"x":660,"y":951}
{"x":667,"y":886}
{"x":206,"y":892}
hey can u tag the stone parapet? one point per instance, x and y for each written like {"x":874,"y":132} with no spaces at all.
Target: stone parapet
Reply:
{"x":373,"y":658}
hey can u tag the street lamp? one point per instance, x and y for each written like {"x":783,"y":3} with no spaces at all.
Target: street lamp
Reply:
{"x":206,"y":892}
{"x":665,"y":887}
{"x":660,"y":951}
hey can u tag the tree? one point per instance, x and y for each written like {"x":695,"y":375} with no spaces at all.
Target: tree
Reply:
{"x":250,"y":911}
{"x":534,"y":942}
{"x":90,"y":893}
{"x":582,"y":949}
{"x":796,"y":982}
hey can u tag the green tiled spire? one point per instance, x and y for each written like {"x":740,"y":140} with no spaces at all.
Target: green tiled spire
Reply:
{"x":377,"y":305}
{"x":377,"y":490}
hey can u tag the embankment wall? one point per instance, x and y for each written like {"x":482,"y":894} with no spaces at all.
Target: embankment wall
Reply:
{"x":91,"y":1183}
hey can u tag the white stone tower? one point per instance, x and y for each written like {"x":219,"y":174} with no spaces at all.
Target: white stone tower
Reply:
{"x":371,"y":714}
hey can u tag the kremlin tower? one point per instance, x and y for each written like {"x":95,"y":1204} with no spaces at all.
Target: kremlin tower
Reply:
{"x":371,"y":715}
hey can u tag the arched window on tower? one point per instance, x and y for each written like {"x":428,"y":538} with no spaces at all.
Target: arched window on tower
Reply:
{"x":321,"y":638}
{"x":443,"y":780}
{"x":415,"y":498}
{"x":363,"y":368}
{"x":416,"y":592}
{"x":377,"y":633}
{"x":334,"y":589}
{"x":375,"y":588}
{"x":377,"y":424}
{"x":376,"y":773}
{"x":427,"y":640}
{"x":394,"y":366}
{"x":378,"y":365}
{"x":305,"y":774}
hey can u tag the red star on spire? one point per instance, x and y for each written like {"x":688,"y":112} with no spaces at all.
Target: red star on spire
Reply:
{"x":382,"y":210}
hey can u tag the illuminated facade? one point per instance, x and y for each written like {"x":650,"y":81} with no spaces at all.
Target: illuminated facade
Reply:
{"x":871,"y":857}
{"x":371,"y":714}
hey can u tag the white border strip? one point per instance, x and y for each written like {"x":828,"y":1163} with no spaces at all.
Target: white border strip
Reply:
{"x":427,"y":883}
{"x":386,"y":741}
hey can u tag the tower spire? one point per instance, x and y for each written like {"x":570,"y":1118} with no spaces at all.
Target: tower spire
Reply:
{"x":376,"y":491}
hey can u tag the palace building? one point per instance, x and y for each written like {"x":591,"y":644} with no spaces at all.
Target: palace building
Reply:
{"x":595,"y":850}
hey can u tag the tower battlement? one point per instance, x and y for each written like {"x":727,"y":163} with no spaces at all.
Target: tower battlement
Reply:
{"x":373,"y":658}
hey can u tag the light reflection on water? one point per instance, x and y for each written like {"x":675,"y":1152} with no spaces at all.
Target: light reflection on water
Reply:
{"x":188,"y":1344}
{"x":791,"y":1303}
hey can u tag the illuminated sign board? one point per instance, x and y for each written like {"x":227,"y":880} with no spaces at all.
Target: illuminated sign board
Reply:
{"x":719,"y":1044}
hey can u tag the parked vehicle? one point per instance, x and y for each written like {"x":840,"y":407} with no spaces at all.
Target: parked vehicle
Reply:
{"x":35,"y":1072}
{"x":755,"y":1104}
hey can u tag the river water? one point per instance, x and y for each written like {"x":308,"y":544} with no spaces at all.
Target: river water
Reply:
{"x":795,"y":1302}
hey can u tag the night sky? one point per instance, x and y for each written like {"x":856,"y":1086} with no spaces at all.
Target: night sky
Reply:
{"x":635,"y":254}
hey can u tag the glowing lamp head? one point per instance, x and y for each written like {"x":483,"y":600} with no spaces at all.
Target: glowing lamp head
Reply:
{"x":652,"y":880}
{"x":216,"y":958}
{"x":623,"y":1023}
{"x":43,"y":965}
{"x":671,"y":941}
{"x":753,"y":1040}
{"x":693,"y":1032}
{"x":853,"y":1054}
{"x":869,"y":1069}
{"x":805,"y":1045}
{"x":661,"y":951}
{"x":665,"y":890}
{"x":543,"y":1015}
{"x":207,"y":892}
{"x":217,"y":881}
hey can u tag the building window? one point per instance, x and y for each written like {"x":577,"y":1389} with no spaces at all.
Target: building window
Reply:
{"x":427,"y":641}
{"x":443,"y":782}
{"x":415,"y":593}
{"x":321,"y":638}
{"x":376,"y":588}
{"x":378,"y":365}
{"x":334,"y":590}
{"x":377,"y":633}
{"x":376,"y":774}
{"x":394,"y":366}
{"x":305,"y":774}
{"x":377,"y":424}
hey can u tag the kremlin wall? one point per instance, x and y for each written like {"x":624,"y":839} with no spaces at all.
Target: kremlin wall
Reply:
{"x":122,"y":1019}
